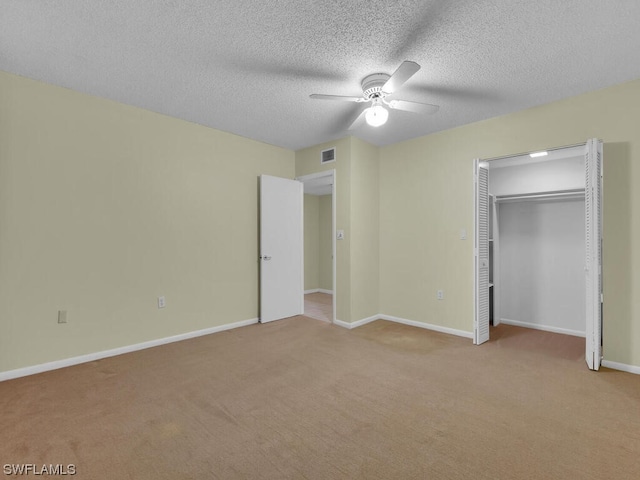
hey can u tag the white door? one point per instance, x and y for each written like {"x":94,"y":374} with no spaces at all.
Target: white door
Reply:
{"x":593,"y":264}
{"x":481,"y":321}
{"x":281,"y":248}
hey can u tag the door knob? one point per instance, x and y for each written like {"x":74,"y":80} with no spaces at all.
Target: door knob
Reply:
{"x":266,"y":257}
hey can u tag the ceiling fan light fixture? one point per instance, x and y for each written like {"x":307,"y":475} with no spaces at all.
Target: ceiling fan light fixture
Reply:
{"x":375,"y":88}
{"x":376,"y":115}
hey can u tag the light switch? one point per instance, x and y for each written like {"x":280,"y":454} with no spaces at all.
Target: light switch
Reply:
{"x":340,"y":234}
{"x":463,"y":234}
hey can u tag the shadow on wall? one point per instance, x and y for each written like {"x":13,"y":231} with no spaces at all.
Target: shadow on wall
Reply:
{"x":616,"y":204}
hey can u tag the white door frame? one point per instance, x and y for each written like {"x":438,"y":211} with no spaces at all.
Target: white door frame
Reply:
{"x":593,"y":265}
{"x":313,"y":176}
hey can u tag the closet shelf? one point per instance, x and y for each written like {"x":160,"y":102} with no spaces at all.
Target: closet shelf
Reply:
{"x":549,"y":195}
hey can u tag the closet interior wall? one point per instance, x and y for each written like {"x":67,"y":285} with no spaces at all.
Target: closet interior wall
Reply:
{"x":539,"y":243}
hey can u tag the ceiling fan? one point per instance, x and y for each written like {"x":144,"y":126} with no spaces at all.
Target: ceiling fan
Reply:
{"x":375,"y":89}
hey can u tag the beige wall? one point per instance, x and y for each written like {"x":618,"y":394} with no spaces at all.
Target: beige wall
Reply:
{"x":325,"y":243}
{"x":357,"y":259}
{"x":311,"y":242}
{"x":105,"y":207}
{"x":365,"y":228}
{"x":426,"y":190}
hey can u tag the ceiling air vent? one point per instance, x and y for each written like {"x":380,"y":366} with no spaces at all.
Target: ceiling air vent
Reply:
{"x":328,"y":155}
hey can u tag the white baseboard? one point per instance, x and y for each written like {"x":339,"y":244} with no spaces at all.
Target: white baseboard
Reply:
{"x":328,"y":292}
{"x":318,"y":290}
{"x":428,"y":326}
{"x":404,"y":321}
{"x":546,"y":328}
{"x":342,"y":324}
{"x":90,"y":357}
{"x":621,"y":366}
{"x":358,"y":323}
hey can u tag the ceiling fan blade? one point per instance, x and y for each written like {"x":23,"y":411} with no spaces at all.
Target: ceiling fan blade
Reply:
{"x":415,"y":107}
{"x":358,"y":121}
{"x":337,"y":97}
{"x":404,"y":72}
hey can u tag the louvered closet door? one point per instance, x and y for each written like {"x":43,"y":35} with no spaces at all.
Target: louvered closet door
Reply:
{"x":593,"y":261}
{"x":481,"y":326}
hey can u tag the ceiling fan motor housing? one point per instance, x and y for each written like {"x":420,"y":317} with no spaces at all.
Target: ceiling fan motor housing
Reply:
{"x":372,"y":85}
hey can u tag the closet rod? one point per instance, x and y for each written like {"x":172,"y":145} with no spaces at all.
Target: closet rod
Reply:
{"x":573,"y":193}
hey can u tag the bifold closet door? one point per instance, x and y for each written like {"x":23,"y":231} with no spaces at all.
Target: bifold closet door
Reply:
{"x":593,"y":263}
{"x":481,"y":321}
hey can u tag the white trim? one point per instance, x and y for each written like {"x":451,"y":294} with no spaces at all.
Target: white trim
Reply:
{"x":318,"y":290}
{"x":90,"y":357}
{"x":545,"y":328}
{"x":404,"y":321}
{"x":621,"y":366}
{"x":334,"y":251}
{"x":343,"y":324}
{"x":313,"y":176}
{"x":334,"y":265}
{"x":358,"y":323}
{"x":364,"y":321}
{"x":428,"y":326}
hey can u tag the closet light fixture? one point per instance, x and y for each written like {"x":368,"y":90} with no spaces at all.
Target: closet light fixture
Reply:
{"x":538,"y":154}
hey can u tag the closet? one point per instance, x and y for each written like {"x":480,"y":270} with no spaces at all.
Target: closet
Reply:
{"x":538,"y":244}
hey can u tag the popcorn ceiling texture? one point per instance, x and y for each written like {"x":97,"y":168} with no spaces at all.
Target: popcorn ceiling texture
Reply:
{"x":248,"y":67}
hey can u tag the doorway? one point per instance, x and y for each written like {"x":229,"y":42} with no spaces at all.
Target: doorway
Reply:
{"x":319,"y":245}
{"x":538,"y":244}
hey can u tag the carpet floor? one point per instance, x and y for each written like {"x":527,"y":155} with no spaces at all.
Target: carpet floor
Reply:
{"x":303,"y":399}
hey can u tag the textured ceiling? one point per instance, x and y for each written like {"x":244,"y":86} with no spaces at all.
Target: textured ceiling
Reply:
{"x":248,"y":67}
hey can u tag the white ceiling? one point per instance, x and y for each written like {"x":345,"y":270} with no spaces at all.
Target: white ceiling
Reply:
{"x":248,"y":67}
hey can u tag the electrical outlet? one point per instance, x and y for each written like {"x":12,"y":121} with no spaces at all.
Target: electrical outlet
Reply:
{"x":161,"y":302}
{"x":62,"y":316}
{"x":440,"y":294}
